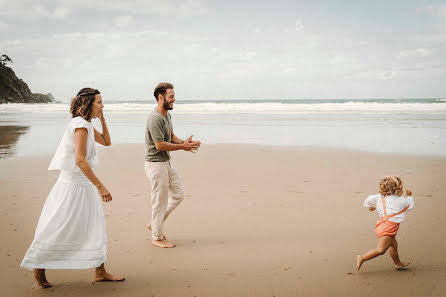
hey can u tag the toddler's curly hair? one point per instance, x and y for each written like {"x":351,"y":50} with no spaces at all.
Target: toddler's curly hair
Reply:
{"x":391,"y":185}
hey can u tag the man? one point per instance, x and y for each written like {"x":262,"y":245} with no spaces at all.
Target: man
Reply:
{"x":163,"y":176}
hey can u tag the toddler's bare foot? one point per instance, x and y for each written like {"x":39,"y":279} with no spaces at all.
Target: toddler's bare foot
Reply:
{"x":359,"y":261}
{"x":163,"y":243}
{"x":402,"y":265}
{"x":39,"y":275}
{"x":149,"y":226}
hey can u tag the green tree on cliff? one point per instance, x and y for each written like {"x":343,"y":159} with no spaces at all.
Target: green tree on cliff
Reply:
{"x":4,"y":59}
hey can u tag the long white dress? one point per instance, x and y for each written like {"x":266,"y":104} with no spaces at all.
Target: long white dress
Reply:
{"x":71,"y":231}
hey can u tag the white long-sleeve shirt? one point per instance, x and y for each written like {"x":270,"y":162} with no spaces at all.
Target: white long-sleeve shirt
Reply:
{"x":394,"y":204}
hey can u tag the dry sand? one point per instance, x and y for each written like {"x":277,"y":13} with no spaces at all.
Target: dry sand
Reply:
{"x":256,"y":221}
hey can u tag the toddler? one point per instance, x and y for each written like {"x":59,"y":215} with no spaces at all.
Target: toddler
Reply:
{"x":390,"y":206}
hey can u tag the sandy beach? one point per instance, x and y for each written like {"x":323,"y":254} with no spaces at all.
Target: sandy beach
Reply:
{"x":256,"y":221}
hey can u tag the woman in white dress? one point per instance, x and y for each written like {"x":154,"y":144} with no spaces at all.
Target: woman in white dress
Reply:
{"x":71,"y":230}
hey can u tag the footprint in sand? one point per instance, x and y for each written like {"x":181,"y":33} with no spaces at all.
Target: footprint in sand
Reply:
{"x":293,"y":191}
{"x":131,"y":251}
{"x":232,"y":275}
{"x":286,"y":267}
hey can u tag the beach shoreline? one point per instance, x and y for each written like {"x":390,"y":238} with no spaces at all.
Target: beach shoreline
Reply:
{"x":256,"y":221}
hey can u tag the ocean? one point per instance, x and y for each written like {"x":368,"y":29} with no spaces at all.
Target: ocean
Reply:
{"x":406,"y":126}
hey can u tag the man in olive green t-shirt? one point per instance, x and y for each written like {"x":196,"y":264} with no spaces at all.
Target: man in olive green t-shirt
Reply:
{"x":163,"y":176}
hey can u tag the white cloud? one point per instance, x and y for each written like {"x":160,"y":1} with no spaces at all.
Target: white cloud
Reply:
{"x":419,"y":52}
{"x":299,"y":25}
{"x":123,"y":21}
{"x":337,"y":60}
{"x":441,"y":11}
{"x":60,"y":12}
{"x":59,"y":9}
{"x":30,"y":10}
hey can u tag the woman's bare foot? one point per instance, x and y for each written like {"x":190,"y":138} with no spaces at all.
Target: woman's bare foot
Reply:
{"x":101,"y":275}
{"x":402,"y":265}
{"x":359,"y":261}
{"x":39,"y":275}
{"x":163,"y":243}
{"x":149,"y":226}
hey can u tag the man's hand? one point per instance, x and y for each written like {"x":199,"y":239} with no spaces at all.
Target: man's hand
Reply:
{"x":408,"y":192}
{"x":191,"y":145}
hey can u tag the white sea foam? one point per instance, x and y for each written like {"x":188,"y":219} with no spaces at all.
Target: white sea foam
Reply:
{"x":245,"y":108}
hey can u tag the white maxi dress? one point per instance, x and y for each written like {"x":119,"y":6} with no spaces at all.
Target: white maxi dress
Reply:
{"x":71,"y":230}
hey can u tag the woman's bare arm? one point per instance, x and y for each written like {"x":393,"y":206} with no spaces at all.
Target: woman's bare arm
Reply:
{"x":80,"y":150}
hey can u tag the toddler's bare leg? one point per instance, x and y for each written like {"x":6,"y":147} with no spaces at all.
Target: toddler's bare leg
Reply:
{"x":383,"y":245}
{"x":393,"y":251}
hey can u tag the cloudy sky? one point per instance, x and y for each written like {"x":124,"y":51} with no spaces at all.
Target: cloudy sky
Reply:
{"x":228,"y":49}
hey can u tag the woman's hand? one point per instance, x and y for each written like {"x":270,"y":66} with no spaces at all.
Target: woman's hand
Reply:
{"x":101,"y":116}
{"x":372,"y":208}
{"x":408,"y":192}
{"x":104,"y":193}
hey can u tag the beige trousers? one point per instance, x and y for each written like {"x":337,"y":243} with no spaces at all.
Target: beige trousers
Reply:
{"x":166,"y":193}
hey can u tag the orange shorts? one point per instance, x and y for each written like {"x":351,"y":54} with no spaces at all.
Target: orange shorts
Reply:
{"x":384,"y":227}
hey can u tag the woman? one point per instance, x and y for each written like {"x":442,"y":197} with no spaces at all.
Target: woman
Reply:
{"x":71,"y":230}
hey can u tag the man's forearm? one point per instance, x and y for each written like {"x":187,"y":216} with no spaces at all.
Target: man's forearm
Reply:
{"x":177,"y":140}
{"x":167,"y":146}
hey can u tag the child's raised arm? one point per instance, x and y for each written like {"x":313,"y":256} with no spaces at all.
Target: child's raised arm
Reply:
{"x":409,"y":199}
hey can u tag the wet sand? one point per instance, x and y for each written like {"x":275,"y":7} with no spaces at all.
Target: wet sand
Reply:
{"x":256,"y":221}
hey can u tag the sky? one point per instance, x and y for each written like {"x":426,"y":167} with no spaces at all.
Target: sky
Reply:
{"x":228,"y":49}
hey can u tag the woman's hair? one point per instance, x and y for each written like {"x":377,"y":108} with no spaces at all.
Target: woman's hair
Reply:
{"x":81,"y":104}
{"x":391,"y":185}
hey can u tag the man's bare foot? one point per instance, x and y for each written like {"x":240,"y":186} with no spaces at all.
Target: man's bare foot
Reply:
{"x":402,"y":265}
{"x":359,"y":261}
{"x":39,"y":275}
{"x":163,"y":243}
{"x":149,"y":226}
{"x":101,"y":275}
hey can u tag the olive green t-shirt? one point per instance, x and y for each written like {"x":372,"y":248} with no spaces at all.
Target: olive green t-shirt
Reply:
{"x":158,"y":128}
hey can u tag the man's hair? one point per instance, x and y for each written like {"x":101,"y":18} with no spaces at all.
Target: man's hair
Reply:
{"x":391,"y":185}
{"x":161,"y":88}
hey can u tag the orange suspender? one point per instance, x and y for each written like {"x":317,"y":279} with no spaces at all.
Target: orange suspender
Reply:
{"x":395,"y":214}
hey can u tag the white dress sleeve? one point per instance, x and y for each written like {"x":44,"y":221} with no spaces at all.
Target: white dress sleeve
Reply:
{"x":79,"y":122}
{"x":408,"y":201}
{"x":371,"y":200}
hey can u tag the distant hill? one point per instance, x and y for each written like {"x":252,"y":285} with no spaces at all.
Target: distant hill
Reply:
{"x":15,"y":90}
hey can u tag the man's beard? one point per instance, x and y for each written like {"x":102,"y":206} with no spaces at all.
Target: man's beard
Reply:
{"x":166,"y":106}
